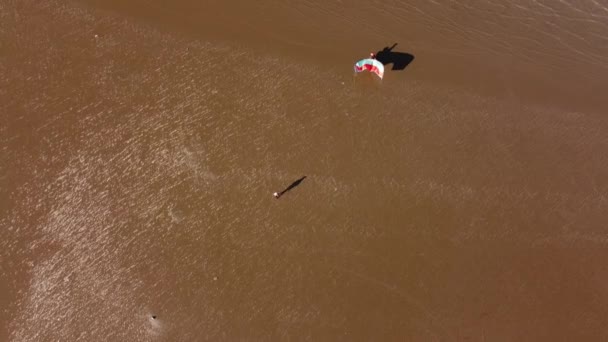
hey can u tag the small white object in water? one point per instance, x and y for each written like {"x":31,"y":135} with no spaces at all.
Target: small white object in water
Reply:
{"x":214,"y":278}
{"x":96,"y":36}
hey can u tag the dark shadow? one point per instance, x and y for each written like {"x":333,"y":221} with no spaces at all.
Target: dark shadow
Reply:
{"x":400,"y":60}
{"x":291,"y":186}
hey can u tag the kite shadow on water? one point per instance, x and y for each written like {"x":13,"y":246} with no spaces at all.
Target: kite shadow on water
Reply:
{"x":400,"y":60}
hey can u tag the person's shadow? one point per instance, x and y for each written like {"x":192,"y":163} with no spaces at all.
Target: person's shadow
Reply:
{"x":291,"y":186}
{"x":400,"y":60}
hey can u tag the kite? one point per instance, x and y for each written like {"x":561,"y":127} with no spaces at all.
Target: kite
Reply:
{"x":371,"y":65}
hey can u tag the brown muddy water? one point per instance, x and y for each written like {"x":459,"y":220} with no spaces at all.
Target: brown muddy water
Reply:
{"x":464,"y":197}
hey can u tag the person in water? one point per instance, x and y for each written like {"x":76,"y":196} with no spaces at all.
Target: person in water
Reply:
{"x":372,"y":55}
{"x":291,"y":186}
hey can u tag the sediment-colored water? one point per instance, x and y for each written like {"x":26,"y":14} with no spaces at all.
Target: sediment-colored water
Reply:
{"x":463,"y":197}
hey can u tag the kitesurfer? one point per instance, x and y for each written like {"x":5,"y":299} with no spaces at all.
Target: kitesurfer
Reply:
{"x":291,"y":186}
